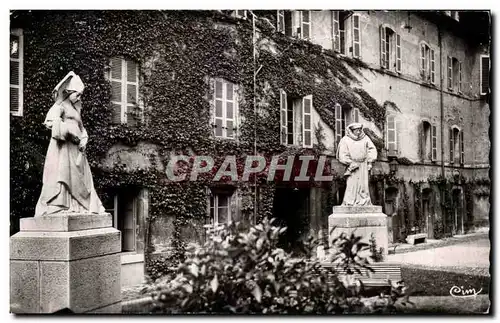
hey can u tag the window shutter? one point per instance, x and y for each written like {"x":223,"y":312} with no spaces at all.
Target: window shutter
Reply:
{"x":355,"y":114}
{"x":485,"y":75}
{"x":116,"y":74}
{"x":305,"y":24}
{"x":391,"y":136}
{"x":433,"y":67}
{"x":434,"y":142}
{"x":450,"y":72}
{"x":356,"y":39}
{"x":219,"y":108}
{"x":336,"y":31}
{"x":452,"y":143}
{"x":16,"y":72}
{"x":383,"y":48}
{"x":307,"y":121}
{"x":131,"y":90}
{"x":338,"y":123}
{"x":398,"y":53}
{"x":280,"y":20}
{"x":459,"y":76}
{"x":283,"y":117}
{"x":230,"y":110}
{"x":462,"y":151}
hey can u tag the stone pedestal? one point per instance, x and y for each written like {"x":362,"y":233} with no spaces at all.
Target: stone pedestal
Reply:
{"x":66,"y":261}
{"x":364,"y":221}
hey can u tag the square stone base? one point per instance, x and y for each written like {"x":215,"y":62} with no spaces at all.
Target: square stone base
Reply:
{"x":364,"y":222}
{"x":55,"y":266}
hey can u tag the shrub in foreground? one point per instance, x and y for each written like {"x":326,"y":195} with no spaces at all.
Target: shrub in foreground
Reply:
{"x":244,"y":272}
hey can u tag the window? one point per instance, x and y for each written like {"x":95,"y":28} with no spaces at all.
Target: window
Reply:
{"x":454,"y":68}
{"x":343,"y":118}
{"x":484,"y":70}
{"x":241,"y":13}
{"x":128,"y":212}
{"x":280,"y":21}
{"x":427,"y":63}
{"x":390,"y":49}
{"x":16,"y":72}
{"x":296,"y":120}
{"x":391,"y":137}
{"x":124,"y":77}
{"x":356,"y":36}
{"x":295,"y":23}
{"x":226,"y":109}
{"x":456,"y":145}
{"x":305,"y":24}
{"x":339,"y":18}
{"x":428,"y":141}
{"x":220,"y":207}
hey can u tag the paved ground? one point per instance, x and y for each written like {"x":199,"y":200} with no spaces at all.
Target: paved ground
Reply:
{"x":471,"y":257}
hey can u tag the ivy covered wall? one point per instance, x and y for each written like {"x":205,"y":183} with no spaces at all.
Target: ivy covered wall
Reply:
{"x":179,"y":52}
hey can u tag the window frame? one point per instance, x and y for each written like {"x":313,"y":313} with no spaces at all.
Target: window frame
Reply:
{"x":124,"y":82}
{"x":224,"y":117}
{"x":427,"y":63}
{"x":238,"y":15}
{"x":214,"y":196}
{"x":449,"y":65}
{"x":18,"y":32}
{"x":393,"y":153}
{"x":308,"y":24}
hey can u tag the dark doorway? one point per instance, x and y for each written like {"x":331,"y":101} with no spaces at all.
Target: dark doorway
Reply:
{"x":291,"y":209}
{"x":391,"y":209}
{"x":458,"y":220}
{"x":428,"y":212}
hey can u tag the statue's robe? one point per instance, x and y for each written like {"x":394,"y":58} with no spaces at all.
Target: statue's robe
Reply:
{"x":358,"y":152}
{"x":67,"y":180}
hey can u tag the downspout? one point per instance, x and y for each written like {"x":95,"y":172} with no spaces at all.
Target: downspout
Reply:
{"x":441,"y":98}
{"x":441,"y":106}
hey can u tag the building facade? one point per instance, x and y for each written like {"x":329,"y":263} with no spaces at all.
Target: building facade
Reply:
{"x":161,"y":84}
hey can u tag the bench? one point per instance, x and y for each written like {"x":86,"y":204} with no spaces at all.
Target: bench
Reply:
{"x":382,"y":273}
{"x":416,"y":238}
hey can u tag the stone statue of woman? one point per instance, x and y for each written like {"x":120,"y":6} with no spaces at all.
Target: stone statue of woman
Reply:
{"x":357,"y":152}
{"x":67,"y":180}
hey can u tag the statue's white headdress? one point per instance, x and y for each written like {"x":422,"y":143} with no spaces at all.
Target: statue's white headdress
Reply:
{"x":355,"y":125}
{"x":71,"y":82}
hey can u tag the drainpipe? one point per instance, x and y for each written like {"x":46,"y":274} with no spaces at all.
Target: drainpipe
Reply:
{"x":441,"y":105}
{"x":441,"y":98}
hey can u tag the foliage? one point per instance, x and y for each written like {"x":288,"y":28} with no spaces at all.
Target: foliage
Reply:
{"x":161,"y":266}
{"x":376,"y":253}
{"x":377,"y":141}
{"x":245,"y":272}
{"x":404,"y":161}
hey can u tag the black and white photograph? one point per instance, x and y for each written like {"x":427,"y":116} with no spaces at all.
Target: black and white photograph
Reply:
{"x":305,"y":161}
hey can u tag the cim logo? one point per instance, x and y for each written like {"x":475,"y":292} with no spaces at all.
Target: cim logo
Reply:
{"x":457,"y":291}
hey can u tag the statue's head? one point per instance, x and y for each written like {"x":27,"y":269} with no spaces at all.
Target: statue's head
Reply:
{"x":70,"y":87}
{"x":356,"y":129}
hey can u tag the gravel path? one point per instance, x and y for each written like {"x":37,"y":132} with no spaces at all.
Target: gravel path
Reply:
{"x":470,"y":257}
